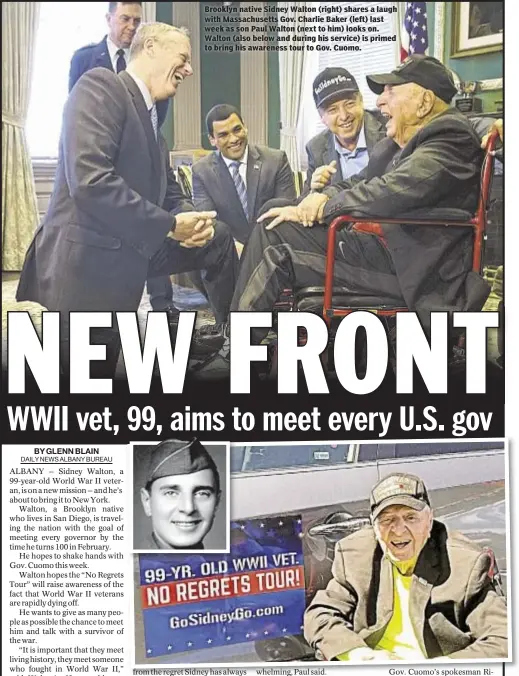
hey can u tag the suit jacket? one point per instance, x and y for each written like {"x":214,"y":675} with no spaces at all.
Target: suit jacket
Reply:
{"x":97,"y":55}
{"x":268,"y":176}
{"x":455,"y":608}
{"x":110,"y":210}
{"x":436,"y":174}
{"x":321,"y":148}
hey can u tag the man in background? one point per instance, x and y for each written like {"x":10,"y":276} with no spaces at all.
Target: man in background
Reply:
{"x":343,"y":148}
{"x":123,"y":19}
{"x":239,"y":177}
{"x":235,"y":181}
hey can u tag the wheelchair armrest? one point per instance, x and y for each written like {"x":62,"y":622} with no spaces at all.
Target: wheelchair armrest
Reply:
{"x":440,"y":216}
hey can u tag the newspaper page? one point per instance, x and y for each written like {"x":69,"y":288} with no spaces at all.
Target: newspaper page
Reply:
{"x":253,"y":339}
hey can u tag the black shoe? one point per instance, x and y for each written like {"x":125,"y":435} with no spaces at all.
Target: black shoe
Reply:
{"x":217,"y":365}
{"x":208,"y":339}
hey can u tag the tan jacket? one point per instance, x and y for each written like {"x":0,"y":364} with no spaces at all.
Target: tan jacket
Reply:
{"x":455,"y":607}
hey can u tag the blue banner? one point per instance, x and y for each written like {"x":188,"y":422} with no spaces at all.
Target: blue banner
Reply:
{"x":256,"y":592}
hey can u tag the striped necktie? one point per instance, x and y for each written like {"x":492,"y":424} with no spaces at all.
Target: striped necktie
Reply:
{"x":241,"y":188}
{"x":120,"y":64}
{"x":154,"y":120}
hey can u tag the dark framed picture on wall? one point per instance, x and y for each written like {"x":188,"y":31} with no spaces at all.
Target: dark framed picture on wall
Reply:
{"x":477,"y":28}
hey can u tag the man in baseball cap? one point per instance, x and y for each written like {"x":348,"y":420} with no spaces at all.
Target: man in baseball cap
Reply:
{"x":425,"y":71}
{"x":420,"y":87}
{"x":181,"y":494}
{"x":408,"y":588}
{"x":343,"y":148}
{"x":401,"y":515}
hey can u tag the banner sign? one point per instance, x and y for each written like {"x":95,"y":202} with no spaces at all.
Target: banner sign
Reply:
{"x":254,"y":593}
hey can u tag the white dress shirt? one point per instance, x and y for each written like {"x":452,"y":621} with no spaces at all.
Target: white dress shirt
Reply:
{"x":143,"y":89}
{"x":112,"y":51}
{"x":242,"y":169}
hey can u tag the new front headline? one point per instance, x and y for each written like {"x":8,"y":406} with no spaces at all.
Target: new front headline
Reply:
{"x":415,"y":349}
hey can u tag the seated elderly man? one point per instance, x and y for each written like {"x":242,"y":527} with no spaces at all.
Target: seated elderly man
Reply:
{"x":407,"y":588}
{"x":430,"y":158}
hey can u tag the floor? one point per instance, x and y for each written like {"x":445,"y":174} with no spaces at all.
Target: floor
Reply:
{"x":190,"y":299}
{"x":184,"y":298}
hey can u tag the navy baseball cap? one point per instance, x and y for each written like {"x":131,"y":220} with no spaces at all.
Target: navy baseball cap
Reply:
{"x":333,"y":84}
{"x":425,"y":71}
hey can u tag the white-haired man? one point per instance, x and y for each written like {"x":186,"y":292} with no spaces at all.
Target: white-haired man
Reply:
{"x":117,"y":215}
{"x":408,"y":588}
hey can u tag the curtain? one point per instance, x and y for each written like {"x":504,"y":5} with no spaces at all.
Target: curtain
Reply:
{"x":291,"y":69}
{"x":149,"y":12}
{"x":19,"y":206}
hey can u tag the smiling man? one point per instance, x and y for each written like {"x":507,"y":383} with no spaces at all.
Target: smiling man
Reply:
{"x":343,"y":148}
{"x":408,"y":588}
{"x":181,"y":495}
{"x":239,"y":177}
{"x":117,"y":214}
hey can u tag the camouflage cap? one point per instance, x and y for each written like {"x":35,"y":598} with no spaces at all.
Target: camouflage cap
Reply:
{"x":174,"y":457}
{"x":398,"y":489}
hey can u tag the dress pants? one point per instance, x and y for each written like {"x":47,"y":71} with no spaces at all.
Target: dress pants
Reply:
{"x":292,"y":256}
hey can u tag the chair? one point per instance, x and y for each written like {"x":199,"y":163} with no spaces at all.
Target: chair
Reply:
{"x":339,"y":302}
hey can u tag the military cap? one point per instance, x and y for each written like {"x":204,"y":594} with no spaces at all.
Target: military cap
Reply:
{"x":398,"y":489}
{"x":174,"y":457}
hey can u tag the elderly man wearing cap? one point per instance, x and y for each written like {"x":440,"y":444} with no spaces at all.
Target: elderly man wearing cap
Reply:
{"x":343,"y":148}
{"x":181,"y":495}
{"x":408,"y":588}
{"x":429,"y":163}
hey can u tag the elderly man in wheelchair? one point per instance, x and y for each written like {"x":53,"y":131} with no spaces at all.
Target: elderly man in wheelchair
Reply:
{"x":421,"y":188}
{"x":408,"y":588}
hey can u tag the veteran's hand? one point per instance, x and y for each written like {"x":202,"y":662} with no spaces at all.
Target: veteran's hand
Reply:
{"x":496,"y":126}
{"x":280,"y":214}
{"x":323,"y":175}
{"x":311,"y":208}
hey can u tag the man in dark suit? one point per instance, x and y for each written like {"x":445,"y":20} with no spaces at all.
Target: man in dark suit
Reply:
{"x":343,"y":148}
{"x":239,"y":178}
{"x":117,"y":215}
{"x":430,"y":159}
{"x":408,"y":588}
{"x":235,"y":181}
{"x":123,"y":19}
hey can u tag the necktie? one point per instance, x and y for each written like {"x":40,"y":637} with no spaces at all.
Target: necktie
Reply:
{"x":154,"y":120}
{"x":121,"y":61}
{"x":241,"y":188}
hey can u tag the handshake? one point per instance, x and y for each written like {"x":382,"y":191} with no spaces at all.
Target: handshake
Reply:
{"x":193,"y":228}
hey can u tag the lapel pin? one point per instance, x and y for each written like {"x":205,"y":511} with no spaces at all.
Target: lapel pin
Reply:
{"x":256,"y":166}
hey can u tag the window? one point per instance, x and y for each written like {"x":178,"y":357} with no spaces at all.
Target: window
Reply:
{"x":380,"y":57}
{"x":415,"y":450}
{"x":63,"y":28}
{"x":259,"y":458}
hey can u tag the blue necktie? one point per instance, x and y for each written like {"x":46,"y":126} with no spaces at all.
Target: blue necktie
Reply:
{"x":154,"y":120}
{"x":121,"y":61}
{"x":241,"y":188}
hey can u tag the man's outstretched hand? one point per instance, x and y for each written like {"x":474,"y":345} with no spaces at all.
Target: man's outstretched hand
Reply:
{"x":194,"y":228}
